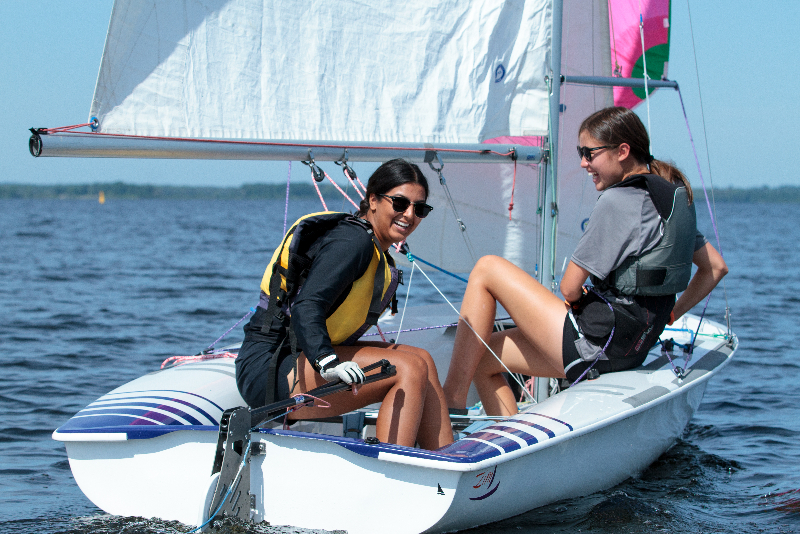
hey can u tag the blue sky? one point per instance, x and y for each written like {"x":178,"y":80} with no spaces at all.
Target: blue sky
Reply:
{"x":746,"y":55}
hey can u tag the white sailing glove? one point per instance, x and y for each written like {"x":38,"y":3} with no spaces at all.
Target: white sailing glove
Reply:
{"x":330,"y":368}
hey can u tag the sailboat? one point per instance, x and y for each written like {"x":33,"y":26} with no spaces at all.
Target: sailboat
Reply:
{"x":485,"y":93}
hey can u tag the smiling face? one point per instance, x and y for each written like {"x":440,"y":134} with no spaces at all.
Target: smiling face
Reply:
{"x":391,"y":226}
{"x":605,"y":168}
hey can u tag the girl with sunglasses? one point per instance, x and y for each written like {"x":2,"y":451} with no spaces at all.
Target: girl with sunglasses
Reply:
{"x":327,"y":283}
{"x":638,"y":250}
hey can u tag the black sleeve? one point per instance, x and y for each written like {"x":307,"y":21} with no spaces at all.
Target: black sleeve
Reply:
{"x":338,"y":259}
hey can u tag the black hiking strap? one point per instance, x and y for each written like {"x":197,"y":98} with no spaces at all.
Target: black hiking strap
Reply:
{"x":376,"y":305}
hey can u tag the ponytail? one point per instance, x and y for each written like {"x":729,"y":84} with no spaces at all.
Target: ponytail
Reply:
{"x":671,"y":174}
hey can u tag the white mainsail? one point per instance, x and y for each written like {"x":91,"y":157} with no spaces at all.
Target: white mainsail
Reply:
{"x":482,"y":193}
{"x":361,"y":73}
{"x":432,"y":71}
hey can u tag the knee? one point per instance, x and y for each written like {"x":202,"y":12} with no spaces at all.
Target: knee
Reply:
{"x":411,"y":367}
{"x":487,"y":268}
{"x":488,"y":366}
{"x":425,"y":357}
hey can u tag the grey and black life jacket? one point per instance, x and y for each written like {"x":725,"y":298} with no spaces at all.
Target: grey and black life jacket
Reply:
{"x":666,"y":268}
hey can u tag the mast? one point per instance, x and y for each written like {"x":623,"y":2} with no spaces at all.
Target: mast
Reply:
{"x":550,"y":208}
{"x":550,"y":211}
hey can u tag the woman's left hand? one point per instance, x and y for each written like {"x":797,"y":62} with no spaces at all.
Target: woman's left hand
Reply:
{"x":347,"y":372}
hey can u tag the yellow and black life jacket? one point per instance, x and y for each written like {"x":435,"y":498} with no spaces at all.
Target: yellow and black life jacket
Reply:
{"x":368,"y":297}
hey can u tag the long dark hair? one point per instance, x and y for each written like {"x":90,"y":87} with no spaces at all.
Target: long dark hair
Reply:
{"x":617,"y":125}
{"x":392,"y":174}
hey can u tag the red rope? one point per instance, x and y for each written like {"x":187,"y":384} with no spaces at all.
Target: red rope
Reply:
{"x":340,"y":190}
{"x":177,"y":360}
{"x":319,"y":193}
{"x":513,"y":186}
{"x":64,"y":129}
{"x":354,"y":186}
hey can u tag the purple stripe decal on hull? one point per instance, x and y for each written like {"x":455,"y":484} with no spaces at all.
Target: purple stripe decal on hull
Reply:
{"x":109,"y":401}
{"x":504,"y":442}
{"x":552,"y":419}
{"x":170,"y":391}
{"x":529,"y":439}
{"x":122,"y":406}
{"x":160,"y":418}
{"x":550,"y":433}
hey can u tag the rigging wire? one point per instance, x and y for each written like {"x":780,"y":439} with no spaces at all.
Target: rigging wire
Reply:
{"x":405,"y":304}
{"x":530,"y":398}
{"x":452,"y":204}
{"x":645,"y":74}
{"x":286,"y":206}
{"x":703,"y":120}
{"x":712,"y":207}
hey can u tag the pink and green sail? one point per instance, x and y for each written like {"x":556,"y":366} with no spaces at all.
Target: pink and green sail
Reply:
{"x":626,"y":44}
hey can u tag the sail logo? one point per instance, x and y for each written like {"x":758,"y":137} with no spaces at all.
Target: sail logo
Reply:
{"x":499,"y":73}
{"x":485,"y":480}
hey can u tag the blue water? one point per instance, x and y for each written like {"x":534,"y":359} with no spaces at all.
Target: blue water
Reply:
{"x":95,"y":295}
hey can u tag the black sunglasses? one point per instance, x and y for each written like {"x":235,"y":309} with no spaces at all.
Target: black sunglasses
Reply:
{"x":401,"y":204}
{"x":586,"y":151}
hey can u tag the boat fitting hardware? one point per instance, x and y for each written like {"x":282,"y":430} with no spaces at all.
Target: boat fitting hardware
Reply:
{"x":232,"y":493}
{"x":35,"y":142}
{"x":315,"y":170}
{"x":429,"y":156}
{"x":347,"y":169}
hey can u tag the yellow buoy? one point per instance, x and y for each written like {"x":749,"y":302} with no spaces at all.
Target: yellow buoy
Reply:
{"x":102,"y":198}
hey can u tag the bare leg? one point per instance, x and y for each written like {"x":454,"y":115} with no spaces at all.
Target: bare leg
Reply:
{"x":533,"y":348}
{"x":435,"y":430}
{"x":403,"y":397}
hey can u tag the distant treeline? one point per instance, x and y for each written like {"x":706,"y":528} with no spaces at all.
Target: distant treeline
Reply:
{"x":784,"y":194}
{"x":120,"y":190}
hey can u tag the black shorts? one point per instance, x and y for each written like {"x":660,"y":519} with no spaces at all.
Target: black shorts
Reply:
{"x":255,"y":357}
{"x":636,"y":324}
{"x":574,"y":365}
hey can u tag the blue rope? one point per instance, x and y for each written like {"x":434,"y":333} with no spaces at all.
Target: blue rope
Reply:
{"x":228,"y":493}
{"x":412,"y":257}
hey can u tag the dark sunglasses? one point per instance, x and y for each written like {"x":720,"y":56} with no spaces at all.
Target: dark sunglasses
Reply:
{"x":586,"y":151}
{"x":400,"y":204}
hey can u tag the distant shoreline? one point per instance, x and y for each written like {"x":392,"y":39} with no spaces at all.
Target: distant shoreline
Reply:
{"x":124,"y":191}
{"x":121,"y":190}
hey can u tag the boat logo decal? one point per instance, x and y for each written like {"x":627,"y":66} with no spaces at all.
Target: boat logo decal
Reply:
{"x":485,"y":480}
{"x":440,"y":491}
{"x":499,"y":73}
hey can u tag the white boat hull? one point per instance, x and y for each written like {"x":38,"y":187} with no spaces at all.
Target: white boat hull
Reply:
{"x":582,"y":440}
